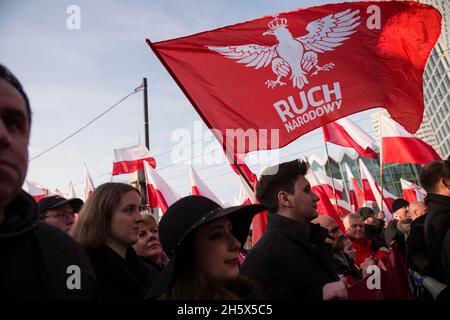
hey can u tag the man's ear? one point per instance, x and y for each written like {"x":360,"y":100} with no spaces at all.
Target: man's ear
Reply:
{"x":284,"y":199}
{"x":443,"y":184}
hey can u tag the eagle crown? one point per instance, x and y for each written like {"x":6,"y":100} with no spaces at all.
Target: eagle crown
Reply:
{"x":277,"y":23}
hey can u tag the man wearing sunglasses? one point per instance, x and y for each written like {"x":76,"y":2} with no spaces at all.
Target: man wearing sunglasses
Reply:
{"x":59,"y":212}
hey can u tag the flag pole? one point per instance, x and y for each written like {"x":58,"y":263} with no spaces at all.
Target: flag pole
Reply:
{"x":381,"y":168}
{"x":331,"y":175}
{"x":141,"y":175}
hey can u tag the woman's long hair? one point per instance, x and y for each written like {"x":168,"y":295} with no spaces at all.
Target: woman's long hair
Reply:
{"x":94,"y":220}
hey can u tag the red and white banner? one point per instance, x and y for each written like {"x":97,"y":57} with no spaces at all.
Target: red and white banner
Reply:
{"x":399,"y":146}
{"x":356,"y":195}
{"x":159,"y":193}
{"x":324,"y":205}
{"x":282,"y":76}
{"x":36,"y":190}
{"x":412,"y":192}
{"x":128,"y":160}
{"x":199,"y":188}
{"x":371,"y":187}
{"x":327,"y":184}
{"x":88,"y":183}
{"x":345,"y":133}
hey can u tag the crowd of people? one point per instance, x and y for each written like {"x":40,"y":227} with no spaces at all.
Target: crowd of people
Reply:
{"x":108,"y":248}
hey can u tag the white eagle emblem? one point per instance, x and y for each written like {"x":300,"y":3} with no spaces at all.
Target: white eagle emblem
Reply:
{"x":295,"y":56}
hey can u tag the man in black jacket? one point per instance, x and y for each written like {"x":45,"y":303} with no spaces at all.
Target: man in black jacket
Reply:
{"x":417,"y":255}
{"x":435,"y":179}
{"x":291,"y":260}
{"x":37,"y":261}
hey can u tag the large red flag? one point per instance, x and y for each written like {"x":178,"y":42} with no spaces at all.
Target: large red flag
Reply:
{"x":399,"y":146}
{"x":345,"y":133}
{"x":279,"y":77}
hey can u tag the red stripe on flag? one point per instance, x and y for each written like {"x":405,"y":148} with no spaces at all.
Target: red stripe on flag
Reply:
{"x":157,"y":200}
{"x":123,"y":167}
{"x":407,"y":150}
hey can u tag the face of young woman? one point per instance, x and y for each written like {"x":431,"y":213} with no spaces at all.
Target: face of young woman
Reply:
{"x":217,"y":251}
{"x":126,"y":220}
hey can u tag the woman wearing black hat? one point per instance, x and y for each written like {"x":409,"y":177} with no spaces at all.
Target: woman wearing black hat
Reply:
{"x":203,"y":241}
{"x":107,"y":227}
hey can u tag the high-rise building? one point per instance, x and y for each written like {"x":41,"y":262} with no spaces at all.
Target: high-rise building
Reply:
{"x":436,"y":83}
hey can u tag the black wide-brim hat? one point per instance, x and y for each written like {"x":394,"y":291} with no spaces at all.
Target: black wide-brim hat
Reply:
{"x":57,"y":201}
{"x":186,"y":216}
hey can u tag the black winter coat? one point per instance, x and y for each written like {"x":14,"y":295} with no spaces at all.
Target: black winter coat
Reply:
{"x":120,"y":278}
{"x":291,"y":260}
{"x":437,"y":225}
{"x":35,"y":258}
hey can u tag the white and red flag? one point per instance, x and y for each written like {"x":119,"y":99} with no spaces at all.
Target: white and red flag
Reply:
{"x":36,"y":190}
{"x":159,"y":193}
{"x":345,"y":133}
{"x":355,"y":194}
{"x":412,"y":192}
{"x":371,"y":187}
{"x":324,"y":205}
{"x":88,"y":183}
{"x":128,"y":160}
{"x":326,"y":183}
{"x":284,"y":75}
{"x":399,"y":146}
{"x":199,"y":188}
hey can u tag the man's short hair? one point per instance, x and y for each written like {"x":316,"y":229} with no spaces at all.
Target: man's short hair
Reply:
{"x":432,"y":172}
{"x":7,"y":75}
{"x":279,"y":178}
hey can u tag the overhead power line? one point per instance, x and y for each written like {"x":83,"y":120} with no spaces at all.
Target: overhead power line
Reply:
{"x":86,"y":125}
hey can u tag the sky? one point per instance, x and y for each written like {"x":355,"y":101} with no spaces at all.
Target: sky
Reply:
{"x":73,"y":75}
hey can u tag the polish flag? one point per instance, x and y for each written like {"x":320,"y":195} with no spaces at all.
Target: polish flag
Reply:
{"x":371,"y":187}
{"x":345,"y":133}
{"x":327,"y":184}
{"x":159,"y":193}
{"x":324,"y":205}
{"x":356,"y":195}
{"x":199,"y":188}
{"x":400,"y":146}
{"x":128,"y":160}
{"x":72,"y":193}
{"x":412,"y":192}
{"x":88,"y":183}
{"x":36,"y":190}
